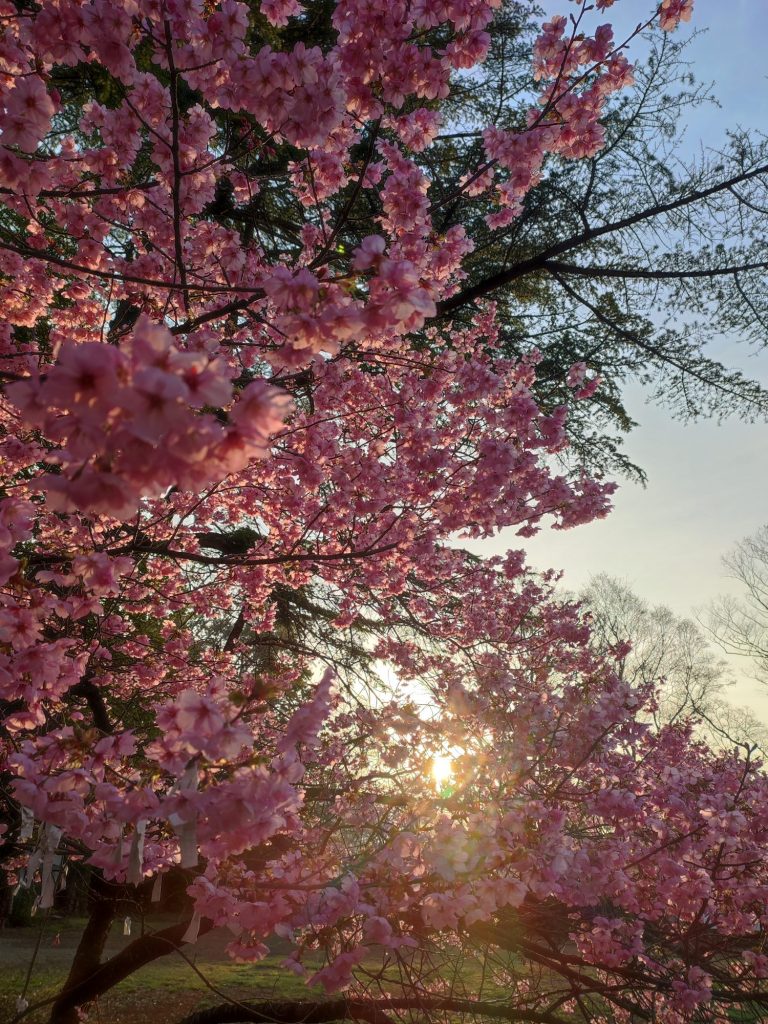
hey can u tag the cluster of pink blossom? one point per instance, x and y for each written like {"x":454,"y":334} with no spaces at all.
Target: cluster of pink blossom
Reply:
{"x":417,"y":129}
{"x":672,"y":12}
{"x":33,"y":670}
{"x":567,"y":121}
{"x":127,"y":421}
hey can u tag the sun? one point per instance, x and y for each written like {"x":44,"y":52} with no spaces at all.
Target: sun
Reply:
{"x":442,"y":771}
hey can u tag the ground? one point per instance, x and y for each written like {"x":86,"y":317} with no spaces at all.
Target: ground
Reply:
{"x":167,"y":989}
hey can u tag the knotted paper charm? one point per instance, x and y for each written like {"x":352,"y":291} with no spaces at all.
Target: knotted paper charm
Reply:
{"x":186,"y":828}
{"x":135,"y":873}
{"x":27,"y":824}
{"x":192,"y":932}
{"x":49,"y":842}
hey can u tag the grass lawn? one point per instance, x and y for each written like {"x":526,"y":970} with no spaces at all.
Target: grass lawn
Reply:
{"x":166,"y":990}
{"x":160,"y":993}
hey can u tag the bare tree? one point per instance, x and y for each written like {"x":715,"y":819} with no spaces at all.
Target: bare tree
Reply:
{"x":676,"y":652}
{"x":740,"y":624}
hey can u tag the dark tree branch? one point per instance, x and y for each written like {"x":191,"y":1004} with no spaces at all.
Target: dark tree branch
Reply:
{"x":105,"y":976}
{"x":539,"y":261}
{"x":176,"y":189}
{"x":95,"y":701}
{"x":234,"y":633}
{"x":369,"y":1010}
{"x":638,"y":273}
{"x":165,"y":551}
{"x":89,"y":951}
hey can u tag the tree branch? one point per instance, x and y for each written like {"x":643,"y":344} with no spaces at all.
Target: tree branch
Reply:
{"x":538,"y":262}
{"x":554,"y":267}
{"x":136,"y":955}
{"x":372,"y":1011}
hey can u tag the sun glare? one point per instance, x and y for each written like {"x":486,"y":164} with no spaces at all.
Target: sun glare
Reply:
{"x":442,"y":770}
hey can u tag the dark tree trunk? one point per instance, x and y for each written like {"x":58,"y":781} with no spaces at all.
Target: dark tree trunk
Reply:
{"x":90,"y":948}
{"x":94,"y":978}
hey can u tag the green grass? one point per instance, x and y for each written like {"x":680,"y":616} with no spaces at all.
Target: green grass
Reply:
{"x":169,"y":988}
{"x":166,"y":989}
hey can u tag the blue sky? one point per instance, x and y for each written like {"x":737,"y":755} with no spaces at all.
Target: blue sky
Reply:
{"x":708,"y":485}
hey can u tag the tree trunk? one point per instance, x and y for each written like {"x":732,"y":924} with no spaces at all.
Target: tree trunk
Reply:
{"x":96,"y":978}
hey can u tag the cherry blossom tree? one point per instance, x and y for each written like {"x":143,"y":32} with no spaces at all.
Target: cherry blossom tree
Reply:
{"x":235,"y":633}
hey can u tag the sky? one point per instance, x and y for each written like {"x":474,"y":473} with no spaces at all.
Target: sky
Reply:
{"x":707,"y":483}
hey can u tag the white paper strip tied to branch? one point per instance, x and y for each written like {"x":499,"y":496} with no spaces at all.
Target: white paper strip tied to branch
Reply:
{"x":192,"y":932}
{"x":186,"y":830}
{"x":126,"y":926}
{"x":135,"y":872}
{"x":117,"y":856}
{"x":34,"y":861}
{"x":27,"y":824}
{"x":49,"y":842}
